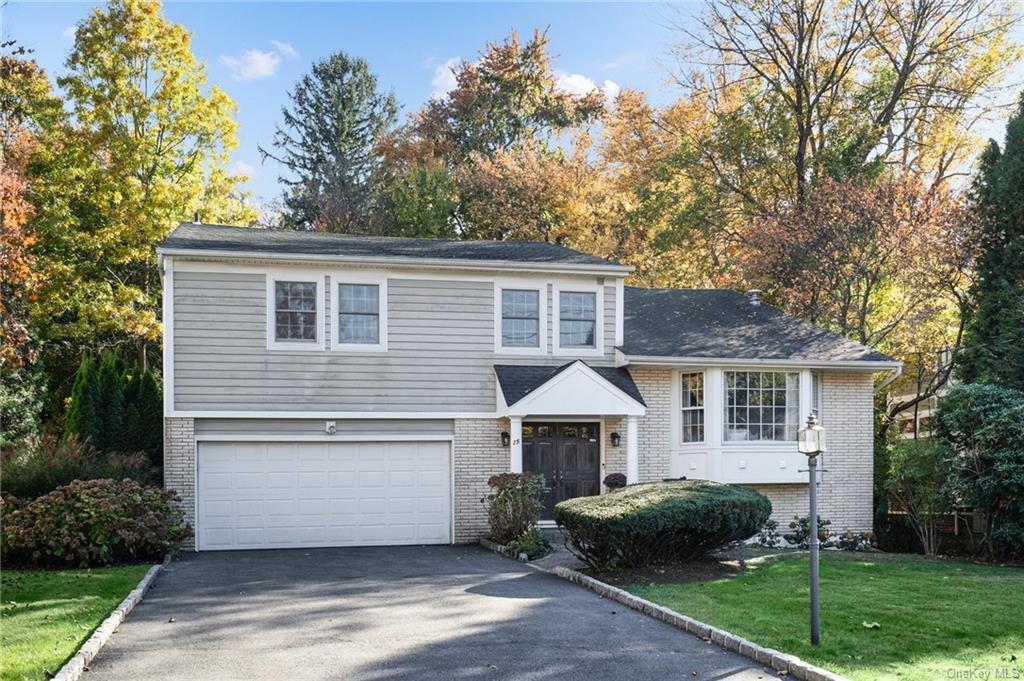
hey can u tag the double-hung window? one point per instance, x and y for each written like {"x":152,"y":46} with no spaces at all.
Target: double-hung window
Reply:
{"x":520,"y":318}
{"x":359,"y":313}
{"x":577,"y":319}
{"x":295,"y":311}
{"x":691,"y":417}
{"x":762,"y":405}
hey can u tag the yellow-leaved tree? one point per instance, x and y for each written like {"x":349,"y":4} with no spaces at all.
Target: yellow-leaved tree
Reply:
{"x":147,"y":147}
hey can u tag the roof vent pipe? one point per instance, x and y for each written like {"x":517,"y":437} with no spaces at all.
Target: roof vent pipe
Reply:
{"x":754,"y":295}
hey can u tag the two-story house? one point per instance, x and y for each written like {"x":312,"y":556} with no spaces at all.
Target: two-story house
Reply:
{"x":334,"y":390}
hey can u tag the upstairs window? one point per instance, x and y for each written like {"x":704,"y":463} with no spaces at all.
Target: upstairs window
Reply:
{"x":359,"y":314}
{"x":692,"y":404}
{"x":762,"y":405}
{"x":295,"y":312}
{"x":577,"y":319}
{"x":520,"y":318}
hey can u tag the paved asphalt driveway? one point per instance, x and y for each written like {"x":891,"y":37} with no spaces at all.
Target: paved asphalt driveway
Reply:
{"x":446,"y":612}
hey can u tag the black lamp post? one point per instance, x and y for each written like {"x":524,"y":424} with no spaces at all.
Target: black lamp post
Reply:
{"x":811,"y":440}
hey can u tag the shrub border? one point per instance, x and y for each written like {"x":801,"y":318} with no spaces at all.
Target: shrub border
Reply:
{"x":79,"y":662}
{"x":503,"y":550}
{"x":781,"y":662}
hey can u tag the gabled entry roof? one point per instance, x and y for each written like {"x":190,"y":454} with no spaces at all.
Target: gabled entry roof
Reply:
{"x":575,"y":388}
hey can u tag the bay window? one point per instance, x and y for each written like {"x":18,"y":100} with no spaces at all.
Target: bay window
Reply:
{"x":762,"y":406}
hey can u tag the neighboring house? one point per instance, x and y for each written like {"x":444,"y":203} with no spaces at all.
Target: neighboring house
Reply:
{"x":333,"y":390}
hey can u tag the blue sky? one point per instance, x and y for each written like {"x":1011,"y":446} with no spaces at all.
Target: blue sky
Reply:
{"x":256,"y":51}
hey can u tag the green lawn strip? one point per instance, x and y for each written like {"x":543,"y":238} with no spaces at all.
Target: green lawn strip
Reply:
{"x":47,"y":614}
{"x":934,"y":615}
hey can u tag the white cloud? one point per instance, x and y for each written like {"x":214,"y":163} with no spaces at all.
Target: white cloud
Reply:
{"x":444,"y":80}
{"x":252,"y":64}
{"x":69,"y":32}
{"x":242,"y":168}
{"x":578,"y":84}
{"x":285,"y":49}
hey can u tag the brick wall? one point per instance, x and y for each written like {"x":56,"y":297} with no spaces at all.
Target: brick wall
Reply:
{"x":478,"y":455}
{"x":614,"y":457}
{"x":180,"y":465}
{"x":845,"y":494}
{"x":654,"y":428}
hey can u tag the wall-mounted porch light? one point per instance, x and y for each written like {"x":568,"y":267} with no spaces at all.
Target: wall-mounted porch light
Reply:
{"x":616,"y":439}
{"x":506,"y":439}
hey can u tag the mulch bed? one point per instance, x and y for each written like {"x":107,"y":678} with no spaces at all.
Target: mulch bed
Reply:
{"x":697,"y":571}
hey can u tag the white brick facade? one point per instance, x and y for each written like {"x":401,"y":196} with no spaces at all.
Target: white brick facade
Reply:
{"x":845,"y":494}
{"x":655,"y":385}
{"x":478,"y":455}
{"x":180,"y":465}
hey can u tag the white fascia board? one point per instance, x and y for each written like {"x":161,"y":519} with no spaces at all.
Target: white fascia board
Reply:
{"x":685,"y":362}
{"x":333,"y":415}
{"x":441,"y":263}
{"x":585,"y":402}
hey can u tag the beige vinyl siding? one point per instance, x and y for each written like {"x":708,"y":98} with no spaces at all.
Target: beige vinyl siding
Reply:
{"x":440,"y":339}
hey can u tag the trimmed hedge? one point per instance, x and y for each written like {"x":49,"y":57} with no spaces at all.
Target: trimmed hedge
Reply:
{"x":660,"y":523}
{"x":93,"y":522}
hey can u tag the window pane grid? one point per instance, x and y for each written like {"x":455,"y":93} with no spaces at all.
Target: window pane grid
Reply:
{"x":359,"y":313}
{"x":295,"y":311}
{"x":761,"y":405}
{"x":692,"y":404}
{"x":577,"y":314}
{"x":520,"y":318}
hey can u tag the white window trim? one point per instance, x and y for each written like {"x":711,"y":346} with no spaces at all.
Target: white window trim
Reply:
{"x":803,"y":405}
{"x":380,"y":279}
{"x":297,"y":276}
{"x":542,"y":321}
{"x":676,"y":405}
{"x":556,"y":333}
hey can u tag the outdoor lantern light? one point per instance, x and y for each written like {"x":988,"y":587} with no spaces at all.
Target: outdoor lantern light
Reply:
{"x":811,"y":441}
{"x":811,"y":437}
{"x":505,"y":438}
{"x":616,"y":439}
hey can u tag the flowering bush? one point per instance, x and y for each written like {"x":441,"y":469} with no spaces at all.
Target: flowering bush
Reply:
{"x":515,"y":505}
{"x":854,"y":541}
{"x":801,"y":532}
{"x":769,"y":536}
{"x":94,"y":522}
{"x":615,"y":481}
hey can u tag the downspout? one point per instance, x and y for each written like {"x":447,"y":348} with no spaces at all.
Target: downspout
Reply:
{"x":887,"y":382}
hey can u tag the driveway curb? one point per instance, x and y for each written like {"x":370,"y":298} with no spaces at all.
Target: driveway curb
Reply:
{"x":79,"y":662}
{"x":781,"y":662}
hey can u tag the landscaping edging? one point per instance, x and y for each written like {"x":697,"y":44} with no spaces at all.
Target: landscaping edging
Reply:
{"x":79,"y":662}
{"x":503,"y":550}
{"x":779,"y":661}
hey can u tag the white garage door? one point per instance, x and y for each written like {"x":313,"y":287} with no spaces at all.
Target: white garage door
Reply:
{"x":302,"y":494}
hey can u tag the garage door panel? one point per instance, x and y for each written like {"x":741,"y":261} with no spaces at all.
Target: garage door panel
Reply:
{"x":281,"y":495}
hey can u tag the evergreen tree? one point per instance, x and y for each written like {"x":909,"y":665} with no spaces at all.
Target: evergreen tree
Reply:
{"x":995,"y":333}
{"x":111,"y":417}
{"x":328,"y":143}
{"x":83,"y":411}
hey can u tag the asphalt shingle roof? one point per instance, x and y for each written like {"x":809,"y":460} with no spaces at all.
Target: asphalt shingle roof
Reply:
{"x":518,"y":381}
{"x":715,"y":323}
{"x":200,"y":237}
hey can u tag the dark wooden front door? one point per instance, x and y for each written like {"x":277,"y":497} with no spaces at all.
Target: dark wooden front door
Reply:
{"x":569,"y":456}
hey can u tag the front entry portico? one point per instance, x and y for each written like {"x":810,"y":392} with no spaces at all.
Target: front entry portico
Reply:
{"x":568,"y":455}
{"x":555,"y":415}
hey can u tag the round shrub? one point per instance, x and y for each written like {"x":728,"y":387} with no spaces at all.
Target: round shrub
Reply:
{"x":93,"y":522}
{"x":660,"y":523}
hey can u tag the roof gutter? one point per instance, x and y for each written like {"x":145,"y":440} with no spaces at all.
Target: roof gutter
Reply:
{"x":887,"y":382}
{"x":623,"y":359}
{"x":433,"y":263}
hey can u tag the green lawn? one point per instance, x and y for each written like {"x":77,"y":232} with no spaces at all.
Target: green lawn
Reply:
{"x":47,"y":614}
{"x":936,"y":617}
